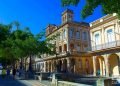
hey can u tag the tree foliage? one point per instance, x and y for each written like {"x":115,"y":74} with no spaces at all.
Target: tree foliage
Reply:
{"x":108,"y":6}
{"x":20,"y":43}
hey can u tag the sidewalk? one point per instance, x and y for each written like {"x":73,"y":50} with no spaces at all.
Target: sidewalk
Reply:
{"x":19,"y":82}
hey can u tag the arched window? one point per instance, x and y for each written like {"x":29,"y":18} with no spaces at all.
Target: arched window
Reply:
{"x":84,"y":35}
{"x":64,"y":34}
{"x":78,"y":47}
{"x":97,"y":39}
{"x":60,"y":36}
{"x":77,"y":35}
{"x":71,"y":33}
{"x":110,"y":35}
{"x":71,"y":47}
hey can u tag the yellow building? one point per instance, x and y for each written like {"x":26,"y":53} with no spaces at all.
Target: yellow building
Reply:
{"x":105,"y":42}
{"x":83,"y":49}
{"x":71,"y":44}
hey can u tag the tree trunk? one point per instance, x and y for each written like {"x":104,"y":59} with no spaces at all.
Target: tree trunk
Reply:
{"x":26,"y":64}
{"x":30,"y":64}
{"x":21,"y":63}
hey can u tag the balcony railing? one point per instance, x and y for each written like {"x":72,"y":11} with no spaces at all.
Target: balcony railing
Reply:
{"x":105,"y":46}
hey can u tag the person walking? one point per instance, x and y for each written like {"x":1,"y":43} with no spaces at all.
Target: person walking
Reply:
{"x":20,"y":72}
{"x":8,"y":72}
{"x":14,"y":73}
{"x":3,"y":73}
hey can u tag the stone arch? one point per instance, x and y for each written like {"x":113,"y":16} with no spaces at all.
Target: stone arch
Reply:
{"x":71,"y":46}
{"x":72,"y":65}
{"x":65,"y":65}
{"x":46,"y":66}
{"x":113,"y":64}
{"x":87,"y":66}
{"x":49,"y":66}
{"x":100,"y":65}
{"x":59,"y":65}
{"x":54,"y":66}
{"x":37,"y":67}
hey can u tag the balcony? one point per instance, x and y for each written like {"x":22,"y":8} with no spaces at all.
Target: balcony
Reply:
{"x":63,"y":54}
{"x":113,"y":44}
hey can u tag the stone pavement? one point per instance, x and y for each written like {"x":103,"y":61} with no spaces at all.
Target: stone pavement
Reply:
{"x":17,"y":82}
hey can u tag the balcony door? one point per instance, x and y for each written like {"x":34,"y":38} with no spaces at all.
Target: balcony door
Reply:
{"x":97,"y":41}
{"x":110,"y":38}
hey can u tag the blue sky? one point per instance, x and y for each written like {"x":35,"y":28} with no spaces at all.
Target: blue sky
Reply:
{"x":37,"y":14}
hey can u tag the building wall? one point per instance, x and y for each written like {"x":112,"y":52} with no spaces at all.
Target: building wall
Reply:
{"x":84,"y":66}
{"x":101,"y":28}
{"x":105,"y":46}
{"x":102,"y":38}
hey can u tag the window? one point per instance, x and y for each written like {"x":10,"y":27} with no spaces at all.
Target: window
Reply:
{"x":60,"y":36}
{"x":97,"y":38}
{"x":60,"y":49}
{"x":84,"y":35}
{"x":71,"y":33}
{"x":71,"y":47}
{"x":69,"y":17}
{"x":77,"y":35}
{"x":65,"y":47}
{"x":65,"y":17}
{"x":64,"y":34}
{"x":110,"y":35}
{"x":78,"y":47}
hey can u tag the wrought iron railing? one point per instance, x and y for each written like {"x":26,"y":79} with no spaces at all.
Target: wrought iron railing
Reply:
{"x":105,"y":46}
{"x":112,"y":44}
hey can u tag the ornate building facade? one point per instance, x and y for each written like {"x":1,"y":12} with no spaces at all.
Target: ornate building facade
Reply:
{"x":82,"y":48}
{"x":71,"y":44}
{"x":105,"y":42}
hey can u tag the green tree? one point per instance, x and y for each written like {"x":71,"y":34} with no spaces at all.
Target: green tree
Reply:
{"x":5,"y":31}
{"x":18,"y":44}
{"x":108,"y":6}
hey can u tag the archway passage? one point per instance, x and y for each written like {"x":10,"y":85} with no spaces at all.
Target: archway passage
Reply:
{"x":49,"y":66}
{"x":59,"y":66}
{"x":72,"y":67}
{"x":100,"y":66}
{"x":46,"y":66}
{"x":65,"y":66}
{"x":54,"y":66}
{"x":113,"y":65}
{"x":71,"y":47}
{"x":87,"y":66}
{"x":65,"y":47}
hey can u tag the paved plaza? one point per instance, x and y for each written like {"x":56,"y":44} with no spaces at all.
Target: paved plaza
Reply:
{"x":17,"y":82}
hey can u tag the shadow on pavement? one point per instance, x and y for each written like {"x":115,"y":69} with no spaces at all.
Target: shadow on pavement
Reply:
{"x":10,"y":81}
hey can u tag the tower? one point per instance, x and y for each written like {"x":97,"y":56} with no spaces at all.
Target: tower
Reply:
{"x":67,"y":16}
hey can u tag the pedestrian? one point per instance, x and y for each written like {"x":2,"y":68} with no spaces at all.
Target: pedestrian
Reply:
{"x":3,"y":73}
{"x":14,"y":73}
{"x":20,"y":72}
{"x":8,"y":72}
